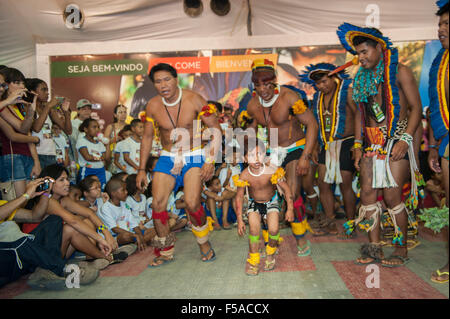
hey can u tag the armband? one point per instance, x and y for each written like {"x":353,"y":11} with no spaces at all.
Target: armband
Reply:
{"x":101,"y":228}
{"x":406,"y":138}
{"x":299,"y":107}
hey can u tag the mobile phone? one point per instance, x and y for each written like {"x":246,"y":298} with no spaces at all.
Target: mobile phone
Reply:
{"x":44,"y":186}
{"x":96,"y":106}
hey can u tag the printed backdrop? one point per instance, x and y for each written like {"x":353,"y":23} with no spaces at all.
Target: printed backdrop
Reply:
{"x":220,"y":75}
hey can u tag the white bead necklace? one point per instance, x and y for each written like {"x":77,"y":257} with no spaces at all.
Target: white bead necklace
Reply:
{"x":180,"y":94}
{"x":272,"y":100}
{"x":257,"y":175}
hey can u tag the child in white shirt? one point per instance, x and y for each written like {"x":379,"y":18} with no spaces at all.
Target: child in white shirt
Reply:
{"x":136,"y":201}
{"x":92,"y":154}
{"x":117,"y":216}
{"x":131,"y":148}
{"x":61,"y":145}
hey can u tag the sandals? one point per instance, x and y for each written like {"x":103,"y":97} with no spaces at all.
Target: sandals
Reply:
{"x":252,"y":270}
{"x":329,"y":228}
{"x":404,"y":261}
{"x":212,"y":258}
{"x":269,"y":265}
{"x":164,"y":261}
{"x":440,"y":274}
{"x":304,"y":253}
{"x":372,"y":251}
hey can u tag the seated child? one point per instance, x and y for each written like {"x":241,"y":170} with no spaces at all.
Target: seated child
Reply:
{"x":435,"y":187}
{"x":215,"y":202}
{"x":136,"y":201}
{"x":93,"y":196}
{"x":75,"y":193}
{"x":261,"y":181}
{"x":176,"y":208}
{"x":117,"y":216}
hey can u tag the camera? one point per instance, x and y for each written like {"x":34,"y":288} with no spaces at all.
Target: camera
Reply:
{"x":28,"y":97}
{"x":44,"y":186}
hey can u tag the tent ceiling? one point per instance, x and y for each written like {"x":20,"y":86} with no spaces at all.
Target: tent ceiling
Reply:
{"x":26,"y":23}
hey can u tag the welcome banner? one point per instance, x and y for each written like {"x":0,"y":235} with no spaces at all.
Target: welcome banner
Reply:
{"x":219,"y":75}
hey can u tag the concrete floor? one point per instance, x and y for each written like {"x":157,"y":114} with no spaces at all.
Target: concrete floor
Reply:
{"x":329,"y":273}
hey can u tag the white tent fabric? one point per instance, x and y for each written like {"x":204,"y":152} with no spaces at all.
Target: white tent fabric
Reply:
{"x":128,"y":26}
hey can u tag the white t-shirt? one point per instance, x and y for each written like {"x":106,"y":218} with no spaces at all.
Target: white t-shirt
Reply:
{"x":133,"y":148}
{"x":138,"y":209}
{"x":171,"y":203}
{"x":114,"y":216}
{"x":76,"y":122}
{"x":46,"y":145}
{"x":94,"y":149}
{"x":235,"y":170}
{"x":149,"y":213}
{"x":62,"y":147}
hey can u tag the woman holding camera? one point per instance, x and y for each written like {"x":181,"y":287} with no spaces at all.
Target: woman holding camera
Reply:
{"x":19,"y":160}
{"x":55,"y":111}
{"x":82,"y":229}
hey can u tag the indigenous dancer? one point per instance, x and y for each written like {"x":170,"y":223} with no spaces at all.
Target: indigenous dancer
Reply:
{"x":334,"y":110}
{"x":281,"y":111}
{"x":439,"y":120}
{"x":261,"y":181}
{"x":383,"y":88}
{"x":183,"y":162}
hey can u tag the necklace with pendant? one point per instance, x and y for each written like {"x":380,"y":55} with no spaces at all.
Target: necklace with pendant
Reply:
{"x":174,"y":124}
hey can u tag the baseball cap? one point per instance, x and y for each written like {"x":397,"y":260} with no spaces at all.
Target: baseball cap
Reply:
{"x":83,"y":102}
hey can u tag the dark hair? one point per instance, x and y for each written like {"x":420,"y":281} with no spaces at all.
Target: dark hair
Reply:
{"x":86,"y":123}
{"x":263,"y":75}
{"x":115,"y":111}
{"x":316,"y":76}
{"x":75,"y":187}
{"x":113,"y":185}
{"x":2,"y":67}
{"x":135,"y":122}
{"x":443,"y":10}
{"x":209,"y":183}
{"x":119,"y":176}
{"x":248,"y":147}
{"x":11,"y":75}
{"x":32,"y":84}
{"x":361,"y":39}
{"x":162,"y":67}
{"x":131,"y":184}
{"x":54,"y":171}
{"x":217,"y":104}
{"x":87,"y":183}
{"x":150,"y":161}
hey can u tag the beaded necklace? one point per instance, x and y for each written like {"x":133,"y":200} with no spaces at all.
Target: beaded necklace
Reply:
{"x":366,"y":82}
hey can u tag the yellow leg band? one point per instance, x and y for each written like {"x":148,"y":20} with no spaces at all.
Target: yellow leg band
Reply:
{"x":270,"y":250}
{"x":254,"y":259}
{"x":265,"y":235}
{"x":201,"y":233}
{"x":300,"y":229}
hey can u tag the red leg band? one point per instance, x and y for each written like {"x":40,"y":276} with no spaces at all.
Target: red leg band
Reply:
{"x":299,"y":209}
{"x":198,"y":215}
{"x":162,"y":216}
